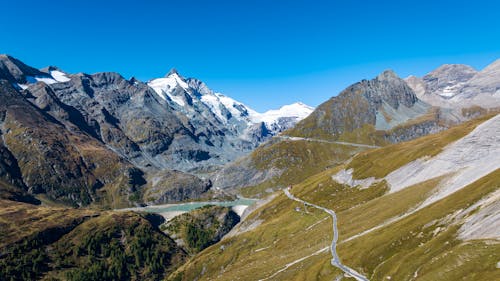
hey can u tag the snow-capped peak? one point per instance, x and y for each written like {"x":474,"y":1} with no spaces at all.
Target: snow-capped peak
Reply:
{"x":174,"y":87}
{"x":164,"y":87}
{"x":171,"y":72}
{"x":296,"y":110}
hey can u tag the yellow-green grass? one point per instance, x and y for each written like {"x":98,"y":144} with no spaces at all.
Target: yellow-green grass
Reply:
{"x":379,"y":210}
{"x":114,"y":195}
{"x":474,"y":260}
{"x":314,"y":268}
{"x":298,"y":160}
{"x":367,"y":134}
{"x":338,"y":114}
{"x":401,"y":248}
{"x":259,"y":253}
{"x":286,"y":234}
{"x":394,"y":250}
{"x":324,"y":191}
{"x":19,"y":221}
{"x":380,"y":162}
{"x":240,"y":260}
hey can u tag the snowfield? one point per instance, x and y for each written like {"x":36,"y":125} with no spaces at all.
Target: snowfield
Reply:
{"x":218,"y":103}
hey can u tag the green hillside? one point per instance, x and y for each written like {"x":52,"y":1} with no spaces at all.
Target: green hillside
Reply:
{"x":79,"y":244}
{"x":383,"y":235}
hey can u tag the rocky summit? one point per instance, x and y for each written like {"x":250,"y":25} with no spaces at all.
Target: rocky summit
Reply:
{"x":459,"y":86}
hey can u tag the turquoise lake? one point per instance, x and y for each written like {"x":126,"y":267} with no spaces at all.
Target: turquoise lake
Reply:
{"x":186,"y":207}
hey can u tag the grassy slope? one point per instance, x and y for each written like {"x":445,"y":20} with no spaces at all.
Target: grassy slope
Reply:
{"x":401,"y":248}
{"x":298,"y":159}
{"x":302,"y":159}
{"x":285,"y":235}
{"x":115,"y":246}
{"x":382,"y":161}
{"x":19,"y":221}
{"x":82,"y":244}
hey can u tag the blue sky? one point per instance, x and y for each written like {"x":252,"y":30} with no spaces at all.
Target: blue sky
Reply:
{"x":265,"y":53}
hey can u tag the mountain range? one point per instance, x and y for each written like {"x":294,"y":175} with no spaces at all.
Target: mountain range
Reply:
{"x":376,"y":112}
{"x":391,"y":179}
{"x":167,"y":126}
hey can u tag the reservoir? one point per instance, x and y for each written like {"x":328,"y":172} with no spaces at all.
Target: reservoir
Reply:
{"x":186,"y":207}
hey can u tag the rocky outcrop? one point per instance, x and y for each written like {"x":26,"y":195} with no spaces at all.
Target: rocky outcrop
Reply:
{"x":15,"y":71}
{"x":387,"y":100}
{"x":413,"y":131}
{"x":243,"y":173}
{"x":40,"y":156}
{"x":174,"y":186}
{"x":457,"y":86}
{"x":198,"y":229}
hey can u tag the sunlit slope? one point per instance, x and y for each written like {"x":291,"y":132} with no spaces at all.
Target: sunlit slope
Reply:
{"x":52,"y":243}
{"x":375,"y":112}
{"x":405,"y":234}
{"x":293,"y":161}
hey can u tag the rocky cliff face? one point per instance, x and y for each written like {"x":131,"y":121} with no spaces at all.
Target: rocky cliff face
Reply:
{"x":383,"y":103}
{"x":80,"y":137}
{"x":459,"y":86}
{"x":198,"y":229}
{"x":173,"y":186}
{"x":41,"y":156}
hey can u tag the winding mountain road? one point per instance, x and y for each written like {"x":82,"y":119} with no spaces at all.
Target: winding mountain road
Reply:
{"x":333,"y":248}
{"x":327,"y":141}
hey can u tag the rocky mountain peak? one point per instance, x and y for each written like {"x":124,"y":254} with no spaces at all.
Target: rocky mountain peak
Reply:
{"x":457,"y":86}
{"x":450,"y":73}
{"x":388,"y":88}
{"x":172,"y":72}
{"x":387,"y":75}
{"x":15,"y":71}
{"x":51,"y":68}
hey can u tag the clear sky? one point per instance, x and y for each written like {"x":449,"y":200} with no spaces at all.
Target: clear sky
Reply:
{"x":265,"y":53}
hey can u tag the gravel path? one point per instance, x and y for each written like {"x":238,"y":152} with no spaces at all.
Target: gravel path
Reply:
{"x":326,"y":141}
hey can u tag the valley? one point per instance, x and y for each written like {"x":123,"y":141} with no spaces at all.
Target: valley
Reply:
{"x":103,"y":177}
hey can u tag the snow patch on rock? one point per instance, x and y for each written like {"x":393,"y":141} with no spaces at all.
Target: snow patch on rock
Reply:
{"x":59,"y":76}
